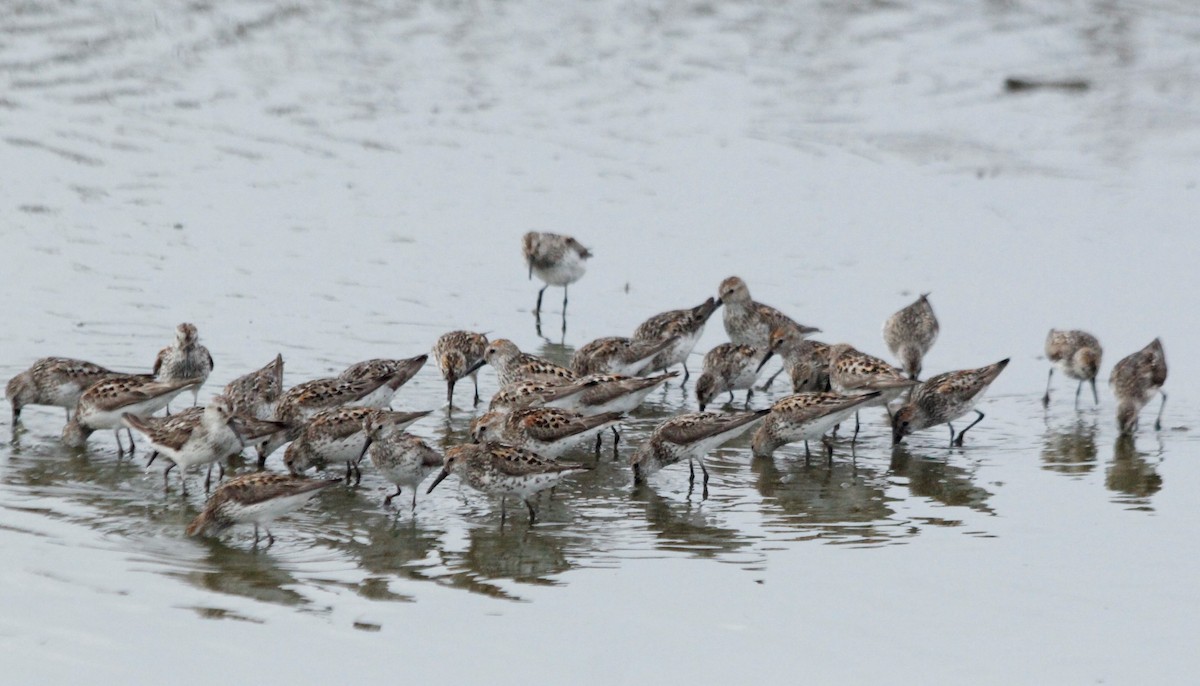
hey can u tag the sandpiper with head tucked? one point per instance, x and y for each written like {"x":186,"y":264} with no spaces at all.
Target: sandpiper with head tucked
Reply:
{"x":944,"y":398}
{"x":618,"y":355}
{"x":806,"y":361}
{"x":336,"y":436}
{"x":804,"y":417}
{"x":395,"y":374}
{"x":1135,"y":380}
{"x":503,"y":470}
{"x":1077,"y":355}
{"x":852,"y":372}
{"x":910,"y":333}
{"x":547,"y":431}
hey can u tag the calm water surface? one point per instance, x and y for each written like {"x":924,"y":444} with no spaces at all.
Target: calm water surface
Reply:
{"x":338,"y":181}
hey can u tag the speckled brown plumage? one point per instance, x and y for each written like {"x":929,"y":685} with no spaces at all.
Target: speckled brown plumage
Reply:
{"x":1135,"y":380}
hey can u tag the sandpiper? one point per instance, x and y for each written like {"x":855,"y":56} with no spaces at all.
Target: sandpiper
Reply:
{"x":257,"y":498}
{"x":395,"y":374}
{"x":1077,"y":355}
{"x":547,"y":431}
{"x":910,"y":333}
{"x":852,"y":372}
{"x":805,"y":417}
{"x":256,"y":393}
{"x":806,"y":361}
{"x":455,"y":353}
{"x":195,"y":439}
{"x":336,"y":435}
{"x":1135,"y":380}
{"x":400,"y":457}
{"x":102,"y":405}
{"x":618,"y":355}
{"x":300,"y":402}
{"x":690,"y":437}
{"x":503,"y":470}
{"x":728,"y":368}
{"x":944,"y":398}
{"x":556,"y":259}
{"x":602,"y":393}
{"x":57,"y":381}
{"x":687,"y":324}
{"x":513,"y":365}
{"x":185,"y":359}
{"x":522,"y":394}
{"x":750,"y":323}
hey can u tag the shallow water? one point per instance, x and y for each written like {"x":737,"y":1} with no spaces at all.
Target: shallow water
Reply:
{"x":338,"y":181}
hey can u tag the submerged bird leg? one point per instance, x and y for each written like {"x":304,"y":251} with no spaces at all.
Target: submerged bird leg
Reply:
{"x":503,"y":513}
{"x":387,"y":502}
{"x":1046,"y":398}
{"x":807,"y":453}
{"x":17,"y":414}
{"x":731,"y":397}
{"x":958,"y":441}
{"x":686,"y":374}
{"x":476,"y":380}
{"x":1163,"y":404}
{"x":1077,"y":390}
{"x":749,"y":394}
{"x":270,"y":538}
{"x":704,"y":492}
{"x":532,"y":514}
{"x":414,"y":499}
{"x":598,"y":445}
{"x":825,"y":441}
{"x":166,"y":472}
{"x":120,"y":448}
{"x":856,"y":425}
{"x":951,"y":433}
{"x":616,"y":441}
{"x":564,"y":300}
{"x":256,"y":534}
{"x":691,"y":472}
{"x":1095,"y":396}
{"x":537,"y":311}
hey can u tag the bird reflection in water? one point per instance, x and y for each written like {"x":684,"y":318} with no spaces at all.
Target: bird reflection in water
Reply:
{"x":1131,"y":475}
{"x":686,"y":526}
{"x":939,"y":480}
{"x":840,"y":502}
{"x":1071,"y":450}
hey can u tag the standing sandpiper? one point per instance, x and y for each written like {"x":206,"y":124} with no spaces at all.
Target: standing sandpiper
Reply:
{"x":1135,"y":380}
{"x":944,"y":398}
{"x":910,"y":333}
{"x":687,"y":324}
{"x":257,"y":499}
{"x":1077,"y":355}
{"x":556,"y":259}
{"x":185,"y":359}
{"x":455,"y":353}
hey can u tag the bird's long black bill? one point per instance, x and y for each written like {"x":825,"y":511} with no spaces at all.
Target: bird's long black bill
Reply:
{"x":762,"y":364}
{"x":437,"y":481}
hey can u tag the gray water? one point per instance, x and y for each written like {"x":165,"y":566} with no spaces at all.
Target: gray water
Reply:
{"x":338,"y":181}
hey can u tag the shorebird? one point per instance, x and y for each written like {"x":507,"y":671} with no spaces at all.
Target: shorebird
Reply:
{"x":502,"y":470}
{"x":57,"y":381}
{"x":805,"y":417}
{"x":400,"y":457}
{"x":1135,"y":380}
{"x":806,"y":361}
{"x":191,"y":438}
{"x":691,"y":437}
{"x":300,"y":402}
{"x":395,"y":374}
{"x":547,"y":431}
{"x":513,"y":365}
{"x":185,"y":359}
{"x":852,"y":372}
{"x":455,"y":353}
{"x":750,"y":323}
{"x":257,"y":499}
{"x":728,"y":368}
{"x":618,"y":355}
{"x":104,"y":403}
{"x":556,"y":259}
{"x":256,"y":393}
{"x":1077,"y":355}
{"x":910,"y":333}
{"x":944,"y":398}
{"x":337,"y":435}
{"x":687,"y":324}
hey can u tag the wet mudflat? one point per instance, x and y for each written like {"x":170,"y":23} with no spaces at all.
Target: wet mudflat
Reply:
{"x":339,"y":182}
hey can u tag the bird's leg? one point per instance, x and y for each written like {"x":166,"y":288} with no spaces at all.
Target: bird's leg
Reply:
{"x":503,"y":514}
{"x":167,"y":472}
{"x":270,"y":538}
{"x":767,"y":384}
{"x":828,"y":448}
{"x":598,"y":445}
{"x":1162,"y":405}
{"x":387,"y":502}
{"x":855,"y":436}
{"x":951,"y":433}
{"x":1046,"y":398}
{"x":807,"y":453}
{"x":153,"y":457}
{"x":17,"y":414}
{"x":564,"y":301}
{"x":691,"y":472}
{"x":357,"y":474}
{"x":731,"y":397}
{"x":449,"y":396}
{"x":132,"y":447}
{"x":532,"y":514}
{"x":120,"y":448}
{"x":537,"y":311}
{"x":476,"y":380}
{"x":1095,"y":396}
{"x":704,"y":492}
{"x":208,"y":478}
{"x":958,"y":441}
{"x":616,"y":441}
{"x":183,"y":482}
{"x":1077,"y":390}
{"x":749,"y":394}
{"x":414,"y":499}
{"x":256,"y":534}
{"x":686,"y":373}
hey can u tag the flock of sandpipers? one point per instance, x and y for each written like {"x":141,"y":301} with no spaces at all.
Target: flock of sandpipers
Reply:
{"x":542,"y":409}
